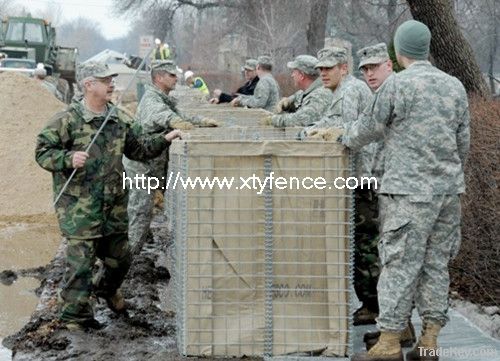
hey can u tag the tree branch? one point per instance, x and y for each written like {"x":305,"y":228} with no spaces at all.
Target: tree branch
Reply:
{"x":207,"y":5}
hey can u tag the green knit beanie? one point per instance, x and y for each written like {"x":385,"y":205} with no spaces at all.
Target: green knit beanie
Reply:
{"x":413,"y":39}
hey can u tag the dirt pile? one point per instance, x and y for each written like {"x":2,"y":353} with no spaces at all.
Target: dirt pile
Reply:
{"x":25,"y":108}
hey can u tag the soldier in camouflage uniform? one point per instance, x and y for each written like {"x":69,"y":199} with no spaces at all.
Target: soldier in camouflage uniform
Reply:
{"x":376,"y":66}
{"x":267,"y":92}
{"x":366,"y":264}
{"x":307,"y":105}
{"x":422,"y":116}
{"x":156,"y":113}
{"x":350,"y":95}
{"x":92,"y":210}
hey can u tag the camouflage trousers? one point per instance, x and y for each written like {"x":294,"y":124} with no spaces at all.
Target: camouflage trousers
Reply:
{"x":420,"y":234}
{"x":78,"y":287}
{"x":140,"y":202}
{"x":140,"y":213}
{"x":366,"y":236}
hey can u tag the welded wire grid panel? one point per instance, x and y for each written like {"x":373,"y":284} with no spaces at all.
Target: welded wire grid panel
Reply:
{"x":177,"y":223}
{"x":266,"y":271}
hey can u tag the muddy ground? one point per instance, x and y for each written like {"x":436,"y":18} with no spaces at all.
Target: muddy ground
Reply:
{"x":147,"y":333}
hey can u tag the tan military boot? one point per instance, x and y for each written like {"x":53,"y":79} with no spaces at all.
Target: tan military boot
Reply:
{"x":116,"y":303}
{"x":386,"y":349}
{"x":407,"y":337}
{"x":426,"y":347}
{"x":364,"y":316}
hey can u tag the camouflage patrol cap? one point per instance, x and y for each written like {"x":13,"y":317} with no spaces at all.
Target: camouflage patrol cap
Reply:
{"x":374,"y":54}
{"x":167,"y":65}
{"x":265,"y":60}
{"x":250,"y":64}
{"x":304,"y":63}
{"x":93,"y":69}
{"x":329,"y":57}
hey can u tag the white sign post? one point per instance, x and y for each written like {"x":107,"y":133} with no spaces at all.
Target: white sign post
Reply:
{"x":146,"y":42}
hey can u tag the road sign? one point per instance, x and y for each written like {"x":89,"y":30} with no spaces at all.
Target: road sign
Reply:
{"x":146,"y":42}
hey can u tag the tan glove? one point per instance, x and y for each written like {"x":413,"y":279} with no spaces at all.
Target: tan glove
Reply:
{"x":235,"y":102}
{"x":283,"y":105}
{"x":208,"y":122}
{"x":179,"y":123}
{"x":326,"y":134}
{"x":267,"y":120}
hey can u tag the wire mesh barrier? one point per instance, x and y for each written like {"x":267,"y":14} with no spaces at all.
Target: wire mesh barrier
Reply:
{"x":265,"y":270}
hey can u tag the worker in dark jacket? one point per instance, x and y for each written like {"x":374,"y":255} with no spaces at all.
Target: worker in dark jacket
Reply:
{"x":246,"y":89}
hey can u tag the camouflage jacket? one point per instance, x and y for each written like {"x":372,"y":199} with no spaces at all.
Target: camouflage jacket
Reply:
{"x":154,"y":114}
{"x":157,"y":109}
{"x":95,"y":202}
{"x":378,"y":156}
{"x":422,"y":116}
{"x":309,"y":106}
{"x":266,"y":94}
{"x":349,"y":100}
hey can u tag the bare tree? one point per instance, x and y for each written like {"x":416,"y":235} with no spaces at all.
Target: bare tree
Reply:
{"x":316,"y":28}
{"x":450,"y":50}
{"x":281,"y":28}
{"x":52,"y":13}
{"x":6,"y":7}
{"x":84,"y":34}
{"x":493,"y":24}
{"x":366,"y":22}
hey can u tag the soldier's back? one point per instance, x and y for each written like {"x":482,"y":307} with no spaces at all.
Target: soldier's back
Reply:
{"x":270,"y":85}
{"x":421,"y":143}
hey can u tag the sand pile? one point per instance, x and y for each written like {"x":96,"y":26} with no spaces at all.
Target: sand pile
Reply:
{"x":26,"y":189}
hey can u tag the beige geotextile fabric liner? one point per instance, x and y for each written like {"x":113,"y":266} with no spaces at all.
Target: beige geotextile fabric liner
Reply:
{"x":225,"y":245}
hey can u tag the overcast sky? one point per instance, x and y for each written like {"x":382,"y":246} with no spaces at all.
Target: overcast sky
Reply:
{"x":97,"y":10}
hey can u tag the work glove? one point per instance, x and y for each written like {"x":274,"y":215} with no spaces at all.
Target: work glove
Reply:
{"x":267,"y":120}
{"x":208,"y":122}
{"x":179,"y":123}
{"x":236,"y":102}
{"x":283,"y":105}
{"x":326,"y":134}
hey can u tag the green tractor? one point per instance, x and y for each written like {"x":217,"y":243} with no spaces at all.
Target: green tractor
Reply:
{"x":34,"y":38}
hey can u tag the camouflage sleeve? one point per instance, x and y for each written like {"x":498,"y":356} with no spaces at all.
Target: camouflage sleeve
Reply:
{"x":463,"y":137}
{"x":143,"y":147}
{"x":294,"y":97}
{"x":354,"y":101}
{"x":371,"y":124}
{"x":157,"y":115}
{"x":309,"y":113}
{"x":53,"y":143}
{"x":195,"y":119}
{"x":260,"y":96}
{"x":323,"y":122}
